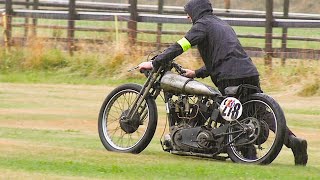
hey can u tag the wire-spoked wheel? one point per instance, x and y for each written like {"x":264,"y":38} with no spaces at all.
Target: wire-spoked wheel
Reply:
{"x":119,"y":133}
{"x":261,"y":131}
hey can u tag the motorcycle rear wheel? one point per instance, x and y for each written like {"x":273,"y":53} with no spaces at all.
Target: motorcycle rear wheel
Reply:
{"x":131,"y":136}
{"x":266,"y":116}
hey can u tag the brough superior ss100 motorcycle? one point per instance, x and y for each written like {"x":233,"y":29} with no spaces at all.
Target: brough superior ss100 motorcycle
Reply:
{"x":246,"y":124}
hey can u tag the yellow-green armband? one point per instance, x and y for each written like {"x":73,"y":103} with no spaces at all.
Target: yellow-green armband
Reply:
{"x":184,"y":43}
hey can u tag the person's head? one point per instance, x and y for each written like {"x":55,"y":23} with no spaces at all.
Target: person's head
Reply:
{"x":189,"y":17}
{"x":195,"y":9}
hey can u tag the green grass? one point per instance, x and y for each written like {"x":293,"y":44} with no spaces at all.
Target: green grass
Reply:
{"x":68,"y":138}
{"x":74,"y":154}
{"x":311,"y":122}
{"x":60,"y":77}
{"x":180,"y":169}
{"x":60,"y":139}
{"x":312,"y":111}
{"x":49,"y":109}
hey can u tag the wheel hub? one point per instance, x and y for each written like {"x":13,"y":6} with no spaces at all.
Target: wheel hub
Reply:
{"x":129,"y":125}
{"x":251,"y":129}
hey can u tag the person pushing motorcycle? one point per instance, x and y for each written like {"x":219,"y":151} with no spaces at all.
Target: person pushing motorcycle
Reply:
{"x":225,"y":60}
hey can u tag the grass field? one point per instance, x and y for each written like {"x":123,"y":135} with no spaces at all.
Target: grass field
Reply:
{"x":48,"y":117}
{"x":49,"y":105}
{"x":49,"y":131}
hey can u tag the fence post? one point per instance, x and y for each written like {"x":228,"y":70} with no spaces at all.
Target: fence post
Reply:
{"x":34,"y":20}
{"x":268,"y":40}
{"x":132,"y":24}
{"x":71,"y":25}
{"x":159,"y":26}
{"x":227,"y":5}
{"x":116,"y":26}
{"x":7,"y":20}
{"x":26,"y":23}
{"x":286,"y":5}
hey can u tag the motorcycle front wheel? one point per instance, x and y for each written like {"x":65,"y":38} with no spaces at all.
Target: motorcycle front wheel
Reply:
{"x":265,"y":125}
{"x":126,"y":135}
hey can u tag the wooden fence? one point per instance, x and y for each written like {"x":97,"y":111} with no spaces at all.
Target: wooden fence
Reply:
{"x":133,"y":13}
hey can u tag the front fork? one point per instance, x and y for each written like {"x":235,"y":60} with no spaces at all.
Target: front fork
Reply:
{"x":143,"y":93}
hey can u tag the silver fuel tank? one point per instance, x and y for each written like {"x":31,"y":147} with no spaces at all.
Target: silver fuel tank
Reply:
{"x":175,"y":83}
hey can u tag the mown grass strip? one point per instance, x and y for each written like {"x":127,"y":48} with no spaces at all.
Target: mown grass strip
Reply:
{"x":49,"y":116}
{"x":57,"y":77}
{"x":169,"y":167}
{"x":311,"y":111}
{"x":73,"y":153}
{"x":66,"y":138}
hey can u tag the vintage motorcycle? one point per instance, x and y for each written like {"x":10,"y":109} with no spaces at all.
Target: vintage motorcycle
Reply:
{"x":245,"y":124}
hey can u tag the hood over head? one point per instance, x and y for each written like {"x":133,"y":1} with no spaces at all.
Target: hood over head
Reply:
{"x":198,"y":8}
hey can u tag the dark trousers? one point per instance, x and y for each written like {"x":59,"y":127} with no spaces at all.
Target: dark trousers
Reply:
{"x":253,"y":80}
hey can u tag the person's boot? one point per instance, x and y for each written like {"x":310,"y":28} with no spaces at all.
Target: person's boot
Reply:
{"x":299,"y":149}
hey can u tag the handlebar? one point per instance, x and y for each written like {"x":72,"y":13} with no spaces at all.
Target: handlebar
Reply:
{"x":145,"y":72}
{"x":166,"y":67}
{"x":178,"y":68}
{"x":174,"y":65}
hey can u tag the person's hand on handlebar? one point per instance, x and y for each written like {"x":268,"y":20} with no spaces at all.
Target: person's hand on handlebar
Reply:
{"x":145,"y":66}
{"x":189,"y":73}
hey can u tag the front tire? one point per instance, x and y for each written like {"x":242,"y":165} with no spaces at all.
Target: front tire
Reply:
{"x":266,"y":116}
{"x":126,"y":136}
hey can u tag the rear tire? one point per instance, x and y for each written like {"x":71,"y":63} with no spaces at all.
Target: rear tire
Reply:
{"x":264,"y":112}
{"x":126,"y":136}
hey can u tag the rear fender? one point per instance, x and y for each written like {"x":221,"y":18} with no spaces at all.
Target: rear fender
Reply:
{"x":242,"y":90}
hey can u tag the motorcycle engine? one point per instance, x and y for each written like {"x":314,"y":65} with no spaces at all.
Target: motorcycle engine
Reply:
{"x":189,"y":110}
{"x":187,"y":116}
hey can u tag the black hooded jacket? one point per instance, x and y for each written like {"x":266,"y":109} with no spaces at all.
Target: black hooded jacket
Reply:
{"x":219,"y":47}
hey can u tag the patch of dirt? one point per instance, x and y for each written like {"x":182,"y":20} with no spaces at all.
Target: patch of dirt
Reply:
{"x":85,"y":126}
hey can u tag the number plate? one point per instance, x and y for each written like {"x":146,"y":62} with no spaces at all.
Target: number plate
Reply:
{"x":230,"y":109}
